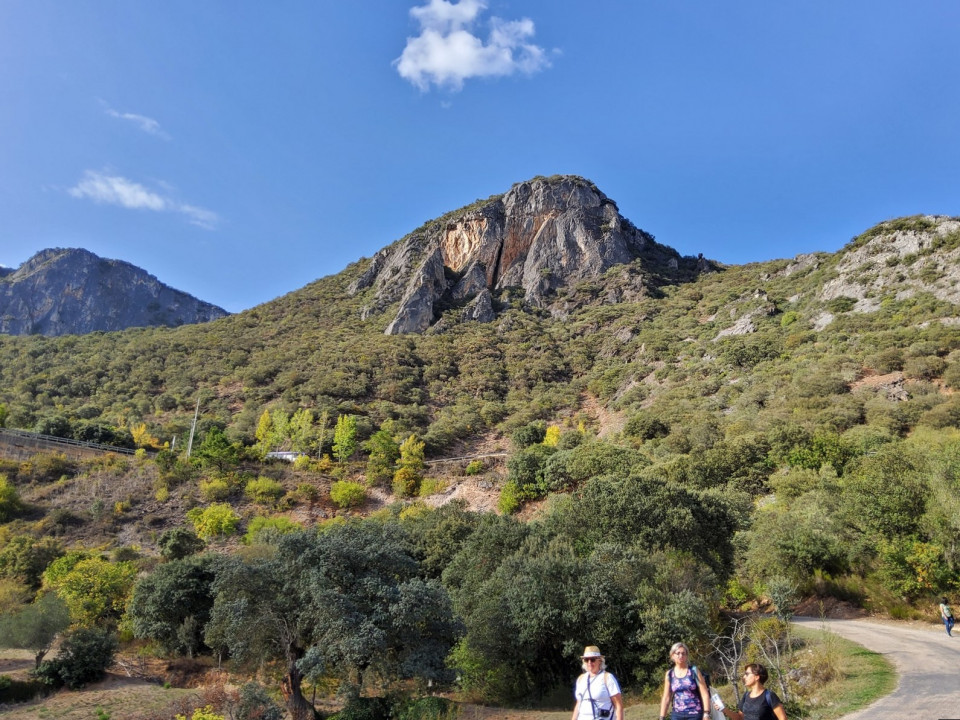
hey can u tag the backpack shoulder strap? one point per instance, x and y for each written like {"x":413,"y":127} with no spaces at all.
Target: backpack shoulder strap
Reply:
{"x":766,"y":696}
{"x":693,"y":674}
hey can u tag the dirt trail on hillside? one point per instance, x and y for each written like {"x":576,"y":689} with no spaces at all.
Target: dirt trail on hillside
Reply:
{"x":927,"y":663}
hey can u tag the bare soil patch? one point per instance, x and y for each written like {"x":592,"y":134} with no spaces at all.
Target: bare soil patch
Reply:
{"x":829,"y":607}
{"x":873,"y":381}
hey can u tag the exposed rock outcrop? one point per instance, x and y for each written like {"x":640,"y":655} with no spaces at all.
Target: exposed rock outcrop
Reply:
{"x":66,"y":292}
{"x":909,"y":255}
{"x":540,"y":236}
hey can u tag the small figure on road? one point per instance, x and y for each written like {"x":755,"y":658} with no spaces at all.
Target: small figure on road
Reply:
{"x":597,"y":691}
{"x":757,"y":703}
{"x":685,"y":686}
{"x":947,"y":615}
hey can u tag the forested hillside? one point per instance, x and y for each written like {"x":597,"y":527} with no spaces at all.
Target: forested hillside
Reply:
{"x":684,"y":439}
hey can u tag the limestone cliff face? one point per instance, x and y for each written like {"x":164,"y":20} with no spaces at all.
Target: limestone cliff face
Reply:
{"x":542,"y":235}
{"x":65,"y":292}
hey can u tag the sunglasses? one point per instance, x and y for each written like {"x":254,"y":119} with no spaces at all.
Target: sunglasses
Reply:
{"x":591,"y":659}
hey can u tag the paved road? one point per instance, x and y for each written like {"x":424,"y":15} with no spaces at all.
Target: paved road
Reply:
{"x":927,"y":662}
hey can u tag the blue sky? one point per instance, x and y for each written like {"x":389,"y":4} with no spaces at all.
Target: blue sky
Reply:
{"x":239,"y":150}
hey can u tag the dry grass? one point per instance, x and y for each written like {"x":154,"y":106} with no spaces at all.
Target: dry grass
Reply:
{"x":120,"y":696}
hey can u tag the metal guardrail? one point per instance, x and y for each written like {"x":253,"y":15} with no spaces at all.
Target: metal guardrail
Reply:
{"x":66,"y":441}
{"x":465,"y":457}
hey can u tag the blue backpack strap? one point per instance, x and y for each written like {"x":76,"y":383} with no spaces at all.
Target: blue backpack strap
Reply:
{"x":766,"y":695}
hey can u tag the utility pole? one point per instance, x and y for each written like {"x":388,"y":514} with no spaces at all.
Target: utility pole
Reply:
{"x":193,"y":426}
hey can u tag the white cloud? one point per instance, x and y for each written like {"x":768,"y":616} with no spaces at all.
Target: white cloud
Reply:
{"x":448,"y":51}
{"x":207,"y":219}
{"x":146,"y":124}
{"x":106,"y":189}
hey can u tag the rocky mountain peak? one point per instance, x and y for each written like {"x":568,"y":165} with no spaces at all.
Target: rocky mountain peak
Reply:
{"x":542,"y":235}
{"x":73,"y":291}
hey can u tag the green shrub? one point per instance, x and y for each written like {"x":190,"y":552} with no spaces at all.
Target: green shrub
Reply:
{"x":365,"y":708}
{"x":789,"y":318}
{"x":951,"y":375}
{"x":215,"y":489}
{"x":216,"y":520}
{"x":405,"y":482}
{"x":307,"y":493}
{"x":924,"y":368}
{"x":528,"y":435}
{"x":10,"y":503}
{"x":425,"y":708}
{"x":265,"y":529}
{"x":263,"y":490}
{"x":431,"y":486}
{"x":84,"y":658}
{"x":303,"y":462}
{"x":18,"y":691}
{"x":645,"y":426}
{"x":346,"y":493}
{"x":526,"y":470}
{"x":946,"y":414}
{"x":179,"y":542}
{"x":256,"y":704}
{"x":47,"y":467}
{"x":841,"y":304}
{"x":886,"y":361}
{"x":509,"y":501}
{"x":474,"y":467}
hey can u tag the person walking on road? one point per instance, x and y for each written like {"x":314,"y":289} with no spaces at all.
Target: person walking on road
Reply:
{"x":947,"y":615}
{"x":685,"y":687}
{"x":757,"y":703}
{"x":597,"y":691}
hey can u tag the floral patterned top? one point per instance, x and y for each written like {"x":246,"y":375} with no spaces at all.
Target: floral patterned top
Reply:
{"x":686,"y":693}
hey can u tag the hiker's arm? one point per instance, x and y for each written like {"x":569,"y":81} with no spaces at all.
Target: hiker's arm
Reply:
{"x":704,"y":694}
{"x":665,"y":700}
{"x":617,"y":701}
{"x":780,"y":712}
{"x":576,"y":710}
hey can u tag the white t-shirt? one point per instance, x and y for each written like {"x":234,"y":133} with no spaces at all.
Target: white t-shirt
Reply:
{"x":601,"y":688}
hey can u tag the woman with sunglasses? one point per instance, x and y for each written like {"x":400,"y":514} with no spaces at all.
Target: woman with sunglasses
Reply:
{"x":597,"y":691}
{"x":757,"y":703}
{"x":685,"y":687}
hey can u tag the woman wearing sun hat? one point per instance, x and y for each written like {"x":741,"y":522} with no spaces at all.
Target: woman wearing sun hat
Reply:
{"x":597,"y":691}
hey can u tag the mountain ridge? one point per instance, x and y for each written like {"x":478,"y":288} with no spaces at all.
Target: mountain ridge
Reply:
{"x":70,"y":291}
{"x":618,"y":336}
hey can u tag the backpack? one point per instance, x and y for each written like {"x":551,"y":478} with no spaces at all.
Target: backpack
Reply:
{"x":594,"y":703}
{"x":766,"y":696}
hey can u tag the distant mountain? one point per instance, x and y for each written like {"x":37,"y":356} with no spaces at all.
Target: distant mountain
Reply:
{"x":73,"y":292}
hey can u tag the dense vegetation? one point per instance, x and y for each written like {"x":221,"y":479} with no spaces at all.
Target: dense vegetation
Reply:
{"x":687,"y":471}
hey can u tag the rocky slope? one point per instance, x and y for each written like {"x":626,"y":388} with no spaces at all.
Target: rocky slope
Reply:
{"x":541,"y":236}
{"x":72,"y":291}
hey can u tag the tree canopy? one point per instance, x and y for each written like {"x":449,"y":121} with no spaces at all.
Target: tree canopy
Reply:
{"x":347,"y":601}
